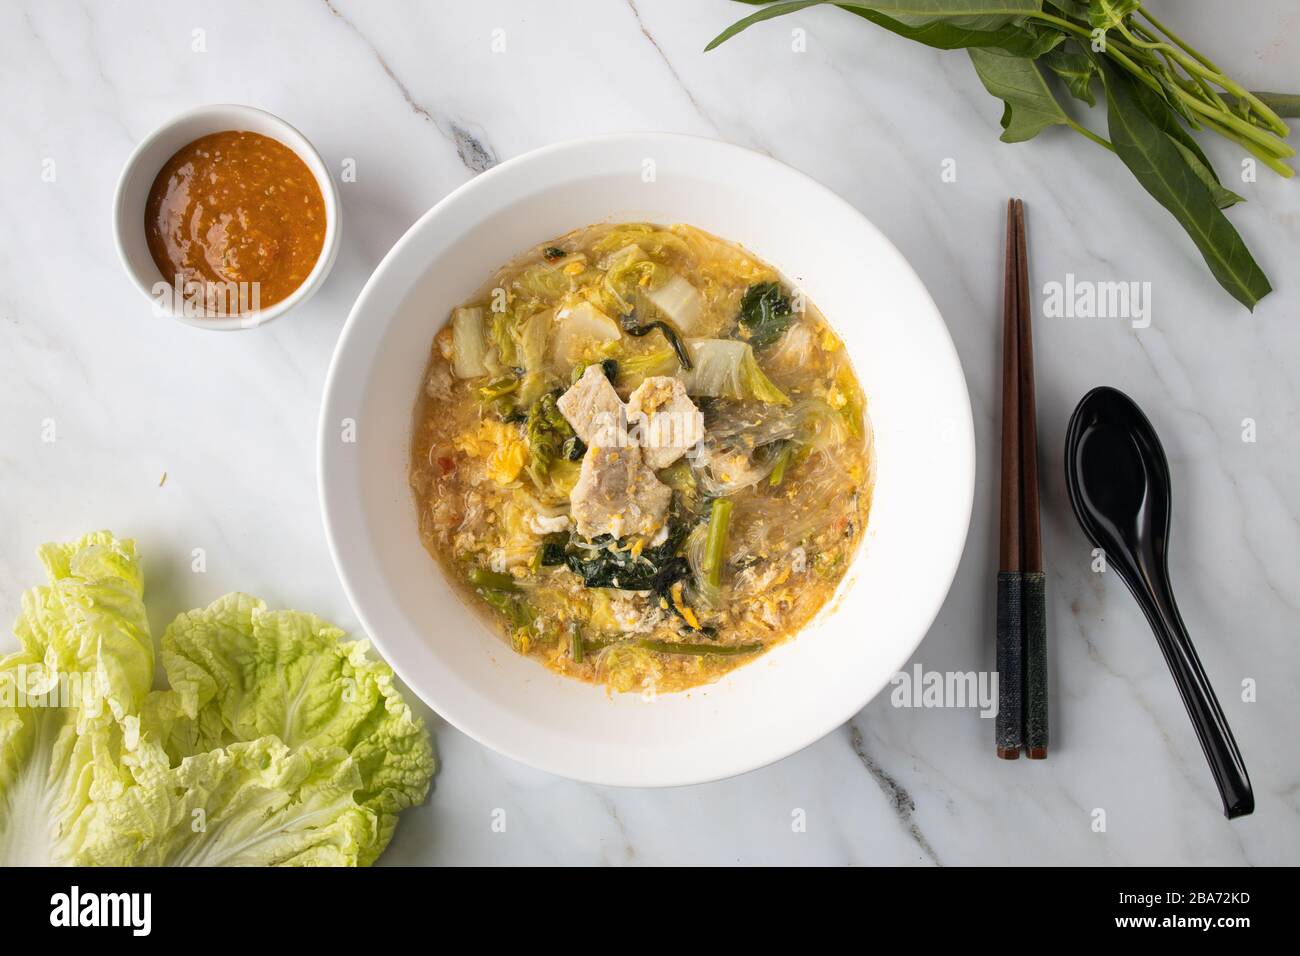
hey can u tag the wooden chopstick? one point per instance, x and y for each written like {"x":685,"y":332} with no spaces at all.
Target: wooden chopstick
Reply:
{"x":1033,"y":598}
{"x":1021,"y":723}
{"x":1009,"y":729}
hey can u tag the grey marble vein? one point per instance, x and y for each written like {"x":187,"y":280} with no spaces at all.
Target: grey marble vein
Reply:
{"x":473,"y":152}
{"x":232,"y":419}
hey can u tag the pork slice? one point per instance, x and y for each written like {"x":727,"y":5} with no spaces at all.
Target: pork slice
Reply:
{"x":667,"y":419}
{"x":593,"y":409}
{"x":617,"y":494}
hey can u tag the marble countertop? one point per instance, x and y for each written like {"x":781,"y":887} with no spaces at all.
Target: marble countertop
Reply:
{"x":421,"y":96}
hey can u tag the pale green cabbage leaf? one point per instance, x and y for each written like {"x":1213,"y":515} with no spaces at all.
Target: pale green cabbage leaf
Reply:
{"x":85,"y":663}
{"x":240,"y":672}
{"x":277,"y":743}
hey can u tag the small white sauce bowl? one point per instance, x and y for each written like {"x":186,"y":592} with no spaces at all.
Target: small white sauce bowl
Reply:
{"x":142,"y":169}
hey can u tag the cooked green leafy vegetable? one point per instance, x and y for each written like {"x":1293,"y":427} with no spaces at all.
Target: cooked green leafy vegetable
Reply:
{"x":1157,"y":88}
{"x":497,"y":392}
{"x":277,"y":743}
{"x":715,"y":546}
{"x":726,"y":368}
{"x":492,"y":580}
{"x":534,"y":334}
{"x":765,"y":314}
{"x":676,"y":647}
{"x":553,"y":549}
{"x":502,"y":330}
{"x":515,"y":610}
{"x":632,"y":326}
{"x":610,"y":566}
{"x":784,"y":457}
{"x":469,"y":343}
{"x":577,"y":647}
{"x":550,"y":438}
{"x":677,"y":299}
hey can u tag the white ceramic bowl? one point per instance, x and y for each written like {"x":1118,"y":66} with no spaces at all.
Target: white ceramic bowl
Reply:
{"x":789,"y":697}
{"x":142,"y":168}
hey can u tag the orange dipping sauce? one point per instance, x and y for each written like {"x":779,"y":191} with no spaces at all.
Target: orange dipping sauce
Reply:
{"x":235,"y":217}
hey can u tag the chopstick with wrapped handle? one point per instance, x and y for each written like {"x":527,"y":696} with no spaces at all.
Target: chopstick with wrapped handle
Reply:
{"x":1009,"y":723}
{"x":1033,"y":595}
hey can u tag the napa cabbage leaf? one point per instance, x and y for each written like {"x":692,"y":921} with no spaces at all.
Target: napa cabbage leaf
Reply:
{"x":276,"y":742}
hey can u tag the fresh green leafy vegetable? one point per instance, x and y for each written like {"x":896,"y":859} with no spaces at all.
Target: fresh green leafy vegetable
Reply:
{"x":276,"y":744}
{"x":1283,"y":104}
{"x":1029,"y":104}
{"x":1161,"y":86}
{"x":765,"y":314}
{"x":84,"y":666}
{"x":1162,"y":169}
{"x":948,"y":24}
{"x":307,"y":751}
{"x":1075,"y":70}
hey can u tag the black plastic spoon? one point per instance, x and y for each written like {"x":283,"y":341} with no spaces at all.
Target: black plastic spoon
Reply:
{"x":1118,"y":479}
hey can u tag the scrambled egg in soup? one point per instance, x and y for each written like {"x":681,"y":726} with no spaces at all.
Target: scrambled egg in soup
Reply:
{"x":643,"y":455}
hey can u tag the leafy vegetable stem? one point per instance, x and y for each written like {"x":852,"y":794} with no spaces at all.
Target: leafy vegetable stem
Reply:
{"x":1162,"y":88}
{"x":1268,"y":159}
{"x":719,"y":518}
{"x":1069,"y":26}
{"x":1121,"y":55}
{"x":676,"y":647}
{"x":1201,"y":57}
{"x":1084,"y":131}
{"x":1200,"y":71}
{"x":494,"y":580}
{"x":1248,"y":99}
{"x":1263,"y":138}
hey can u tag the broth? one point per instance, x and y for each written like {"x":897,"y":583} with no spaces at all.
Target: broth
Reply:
{"x":619,"y":516}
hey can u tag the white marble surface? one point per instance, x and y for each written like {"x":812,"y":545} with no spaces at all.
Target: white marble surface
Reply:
{"x":414,"y":93}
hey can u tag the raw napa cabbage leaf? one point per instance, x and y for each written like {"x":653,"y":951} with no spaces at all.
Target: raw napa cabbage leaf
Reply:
{"x":276,"y":743}
{"x":240,"y":672}
{"x":85,"y":661}
{"x":252,"y":803}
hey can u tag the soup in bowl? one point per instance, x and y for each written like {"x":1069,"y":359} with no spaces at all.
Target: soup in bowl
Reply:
{"x":856,"y":404}
{"x":642,"y":454}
